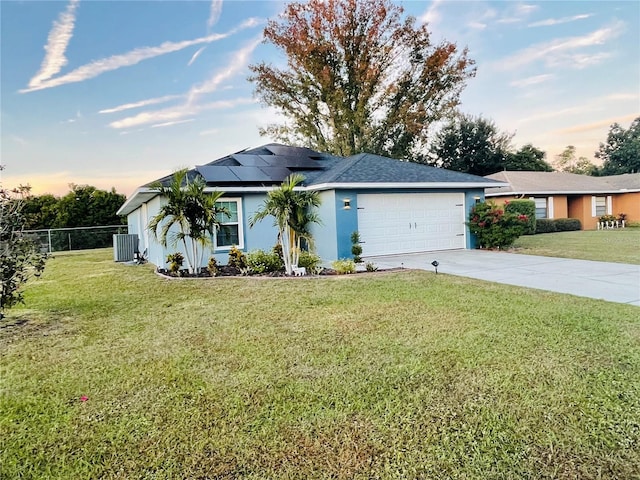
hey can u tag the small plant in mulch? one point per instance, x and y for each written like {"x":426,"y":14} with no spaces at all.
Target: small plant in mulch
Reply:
{"x":237,"y":258}
{"x":212,"y":267}
{"x":175,"y":261}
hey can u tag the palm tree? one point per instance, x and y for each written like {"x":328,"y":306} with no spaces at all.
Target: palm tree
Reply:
{"x":291,"y":210}
{"x":193,"y":211}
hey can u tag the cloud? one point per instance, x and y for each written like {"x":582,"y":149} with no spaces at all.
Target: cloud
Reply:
{"x":432,"y":15}
{"x":132,"y":57}
{"x":214,"y":12}
{"x":189,"y":108}
{"x":526,"y":82}
{"x":169,"y":124}
{"x":622,"y":97}
{"x":195,"y":55}
{"x":582,"y":109}
{"x":74,"y":119}
{"x":239,"y":62}
{"x":558,"y":21}
{"x":558,"y":52}
{"x":19,"y":140}
{"x":176,"y":113}
{"x":477,"y":25}
{"x":517,"y":13}
{"x":597,"y":125}
{"x":142,"y":103}
{"x":212,"y":131}
{"x":56,"y":46}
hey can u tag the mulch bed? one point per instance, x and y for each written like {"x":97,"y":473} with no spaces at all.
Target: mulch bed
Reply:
{"x":230,"y":271}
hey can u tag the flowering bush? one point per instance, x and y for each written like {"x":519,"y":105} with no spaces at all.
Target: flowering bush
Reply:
{"x":495,"y":228}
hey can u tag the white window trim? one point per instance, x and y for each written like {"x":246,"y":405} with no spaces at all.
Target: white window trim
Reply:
{"x":240,"y":224}
{"x":607,"y":202}
{"x":548,"y":207}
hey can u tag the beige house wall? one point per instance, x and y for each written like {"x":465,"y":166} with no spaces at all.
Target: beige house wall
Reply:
{"x":628,"y":203}
{"x":579,"y":206}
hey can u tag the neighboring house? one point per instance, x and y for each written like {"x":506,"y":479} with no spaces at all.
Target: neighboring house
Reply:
{"x":568,"y":195}
{"x":396,"y":206}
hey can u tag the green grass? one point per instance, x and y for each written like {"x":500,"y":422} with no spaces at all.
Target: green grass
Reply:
{"x":389,"y":375}
{"x":620,"y":246}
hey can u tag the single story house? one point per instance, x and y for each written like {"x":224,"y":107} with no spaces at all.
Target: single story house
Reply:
{"x":569,"y":195}
{"x":396,"y":206}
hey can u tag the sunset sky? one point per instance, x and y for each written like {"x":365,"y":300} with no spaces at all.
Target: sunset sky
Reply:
{"x":119,"y":93}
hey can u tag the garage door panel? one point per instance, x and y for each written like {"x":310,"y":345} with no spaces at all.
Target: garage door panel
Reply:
{"x":404,"y":223}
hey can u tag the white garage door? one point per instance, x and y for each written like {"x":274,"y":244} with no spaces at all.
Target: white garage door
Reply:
{"x":410,"y":222}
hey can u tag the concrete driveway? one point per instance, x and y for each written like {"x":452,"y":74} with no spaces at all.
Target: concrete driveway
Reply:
{"x":613,"y":282}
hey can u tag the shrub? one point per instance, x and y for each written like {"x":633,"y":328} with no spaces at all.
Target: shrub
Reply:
{"x":523,"y":207}
{"x":310,"y":261}
{"x":545,"y":225}
{"x":371,"y":267}
{"x":344,"y":266}
{"x":212,"y":267}
{"x":260,"y":261}
{"x":175,"y":261}
{"x":567,"y":224}
{"x":20,"y":257}
{"x":356,"y":248}
{"x":237,"y":259}
{"x":607,"y":218}
{"x":493,"y":227}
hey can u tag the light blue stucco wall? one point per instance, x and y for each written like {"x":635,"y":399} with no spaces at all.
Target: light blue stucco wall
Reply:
{"x":324,"y":234}
{"x":346,"y":221}
{"x":262,"y":236}
{"x":332,"y":237}
{"x":470,"y":198}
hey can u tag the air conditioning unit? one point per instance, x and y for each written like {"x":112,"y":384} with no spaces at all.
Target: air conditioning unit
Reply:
{"x":124,"y":246}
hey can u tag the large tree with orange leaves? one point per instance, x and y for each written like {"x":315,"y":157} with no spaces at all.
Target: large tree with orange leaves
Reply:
{"x":359,"y":77}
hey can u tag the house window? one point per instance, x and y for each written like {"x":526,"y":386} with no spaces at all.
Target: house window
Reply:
{"x":601,"y":206}
{"x":541,"y":207}
{"x":230,"y":231}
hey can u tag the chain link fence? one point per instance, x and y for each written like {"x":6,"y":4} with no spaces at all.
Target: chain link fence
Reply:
{"x":78,"y":238}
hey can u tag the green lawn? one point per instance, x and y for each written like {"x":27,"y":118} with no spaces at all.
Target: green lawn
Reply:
{"x":390,"y":375}
{"x":620,"y":246}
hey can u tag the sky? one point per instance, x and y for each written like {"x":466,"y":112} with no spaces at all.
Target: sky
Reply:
{"x":115,"y":94}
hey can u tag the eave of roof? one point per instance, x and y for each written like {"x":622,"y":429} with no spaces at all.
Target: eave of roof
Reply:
{"x":361,"y":171}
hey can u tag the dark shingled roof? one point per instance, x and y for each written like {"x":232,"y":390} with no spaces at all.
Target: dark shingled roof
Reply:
{"x":523,"y":183}
{"x":270,"y":164}
{"x":370,"y":168}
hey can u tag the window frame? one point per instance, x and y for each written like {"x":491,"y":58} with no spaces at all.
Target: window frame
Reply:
{"x":536,"y":201}
{"x":600,"y":209}
{"x":226,"y":221}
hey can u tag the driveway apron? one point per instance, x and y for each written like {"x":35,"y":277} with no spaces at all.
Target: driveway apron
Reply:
{"x":613,"y":282}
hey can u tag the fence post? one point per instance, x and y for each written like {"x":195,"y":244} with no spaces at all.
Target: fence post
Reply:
{"x":49,"y":235}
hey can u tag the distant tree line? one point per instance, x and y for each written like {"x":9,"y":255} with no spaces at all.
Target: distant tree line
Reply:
{"x":475,"y":145}
{"x":83,"y":206}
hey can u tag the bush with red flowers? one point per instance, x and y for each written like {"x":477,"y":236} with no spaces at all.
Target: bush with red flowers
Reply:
{"x":495,"y":228}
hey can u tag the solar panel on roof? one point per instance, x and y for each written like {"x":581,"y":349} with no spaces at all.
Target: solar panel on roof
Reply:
{"x":226,"y":161}
{"x":250,"y":174}
{"x":290,"y":151}
{"x":250,"y":160}
{"x":289,"y":161}
{"x":276,"y":174}
{"x":217,"y":173}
